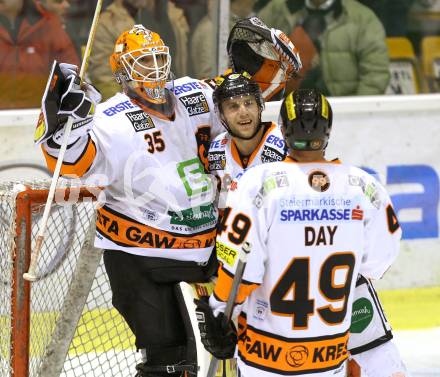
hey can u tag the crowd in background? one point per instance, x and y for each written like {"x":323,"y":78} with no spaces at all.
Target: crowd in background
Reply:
{"x":348,"y":47}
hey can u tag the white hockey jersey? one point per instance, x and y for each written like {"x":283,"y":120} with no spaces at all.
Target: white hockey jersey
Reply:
{"x":313,"y":228}
{"x":225,"y":162}
{"x":159,"y":201}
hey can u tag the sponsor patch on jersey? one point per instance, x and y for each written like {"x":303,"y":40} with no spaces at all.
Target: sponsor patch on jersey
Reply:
{"x":195,"y":104}
{"x":140,"y":120}
{"x":361,"y":316}
{"x":113,"y":110}
{"x":225,"y":253}
{"x":321,"y":214}
{"x":150,"y":215}
{"x":218,"y":143}
{"x":194,"y":217}
{"x":370,"y":190}
{"x":217,"y":161}
{"x":187,"y":87}
{"x":319,"y":181}
{"x":260,"y":309}
{"x":277,"y":141}
{"x":271,"y":155}
{"x":278,"y":180}
{"x":307,"y":201}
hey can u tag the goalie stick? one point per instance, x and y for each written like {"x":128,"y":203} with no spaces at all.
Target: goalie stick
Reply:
{"x":242,"y":259}
{"x":31,"y":274}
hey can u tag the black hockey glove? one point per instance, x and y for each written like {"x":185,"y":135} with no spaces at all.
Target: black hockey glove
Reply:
{"x":64,"y":97}
{"x":77,"y":100}
{"x":219,"y":336}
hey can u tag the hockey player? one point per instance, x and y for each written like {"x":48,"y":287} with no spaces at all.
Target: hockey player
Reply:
{"x":253,"y":49}
{"x":248,"y":141}
{"x":158,"y":223}
{"x":336,"y":221}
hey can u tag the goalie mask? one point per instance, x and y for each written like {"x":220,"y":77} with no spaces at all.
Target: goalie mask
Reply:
{"x":306,"y":120}
{"x":141,"y":64}
{"x":267,"y":54}
{"x":233,"y":91}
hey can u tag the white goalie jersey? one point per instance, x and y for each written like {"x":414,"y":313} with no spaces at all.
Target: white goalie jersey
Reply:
{"x":158,"y":199}
{"x":313,"y":227}
{"x":225,"y":162}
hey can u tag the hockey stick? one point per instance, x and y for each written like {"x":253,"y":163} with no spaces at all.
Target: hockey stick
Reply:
{"x":242,"y":259}
{"x":31,"y":274}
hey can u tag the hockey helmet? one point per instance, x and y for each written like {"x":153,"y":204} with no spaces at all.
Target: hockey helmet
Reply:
{"x":234,"y":85}
{"x":306,"y":120}
{"x":141,"y":63}
{"x":252,"y":48}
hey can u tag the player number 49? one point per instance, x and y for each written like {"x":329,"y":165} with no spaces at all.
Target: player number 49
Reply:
{"x":239,"y":227}
{"x":295,"y":283}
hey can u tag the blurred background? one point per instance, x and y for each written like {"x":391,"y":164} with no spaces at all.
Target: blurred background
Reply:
{"x":350,"y":47}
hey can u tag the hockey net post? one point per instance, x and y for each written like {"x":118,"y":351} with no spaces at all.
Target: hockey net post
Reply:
{"x":63,"y":324}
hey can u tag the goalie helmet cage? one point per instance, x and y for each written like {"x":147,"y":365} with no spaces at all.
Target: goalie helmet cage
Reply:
{"x":63,"y":324}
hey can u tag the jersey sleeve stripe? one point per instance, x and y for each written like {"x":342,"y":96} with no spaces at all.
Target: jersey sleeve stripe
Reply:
{"x":78,"y":167}
{"x":224,"y":285}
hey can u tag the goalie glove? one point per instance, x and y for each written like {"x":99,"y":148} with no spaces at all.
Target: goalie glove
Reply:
{"x":286,"y":49}
{"x":218,"y":336}
{"x":77,"y":101}
{"x":65,"y":96}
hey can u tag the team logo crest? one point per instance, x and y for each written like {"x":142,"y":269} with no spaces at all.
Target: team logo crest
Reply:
{"x":319,"y":181}
{"x":316,"y":144}
{"x":297,"y":356}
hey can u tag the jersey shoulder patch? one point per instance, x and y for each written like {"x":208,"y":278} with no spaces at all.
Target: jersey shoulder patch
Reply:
{"x":217,"y":153}
{"x":274,"y":147}
{"x":219,"y":143}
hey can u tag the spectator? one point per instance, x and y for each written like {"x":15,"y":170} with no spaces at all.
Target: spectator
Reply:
{"x":203,"y":45}
{"x":280,"y":14}
{"x":30,"y":39}
{"x":120,"y":16}
{"x":392,"y":13}
{"x":204,"y":50}
{"x":58,"y":7}
{"x":241,"y":9}
{"x":181,"y":29}
{"x":78,"y":20}
{"x":342,"y":46}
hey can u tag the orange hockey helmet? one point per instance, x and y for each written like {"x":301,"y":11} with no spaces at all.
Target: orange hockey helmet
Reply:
{"x":141,"y":64}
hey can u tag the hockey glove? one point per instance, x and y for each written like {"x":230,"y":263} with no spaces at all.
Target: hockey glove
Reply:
{"x":77,"y":101}
{"x":219,"y":336}
{"x":63,"y":97}
{"x":287,"y":50}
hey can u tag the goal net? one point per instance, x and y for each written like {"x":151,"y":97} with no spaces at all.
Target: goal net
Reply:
{"x":63,"y":324}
